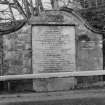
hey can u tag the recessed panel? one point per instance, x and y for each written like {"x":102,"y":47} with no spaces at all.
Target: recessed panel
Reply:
{"x":53,"y":49}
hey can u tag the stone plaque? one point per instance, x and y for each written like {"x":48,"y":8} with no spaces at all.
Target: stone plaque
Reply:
{"x":53,"y":49}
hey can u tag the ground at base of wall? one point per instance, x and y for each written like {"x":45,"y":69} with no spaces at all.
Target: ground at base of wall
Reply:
{"x":82,"y":97}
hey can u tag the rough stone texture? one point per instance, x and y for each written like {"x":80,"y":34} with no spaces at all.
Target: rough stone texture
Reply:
{"x":17,"y":52}
{"x":53,"y":49}
{"x":89,"y":56}
{"x":54,"y":84}
{"x":89,"y":51}
{"x":17,"y":56}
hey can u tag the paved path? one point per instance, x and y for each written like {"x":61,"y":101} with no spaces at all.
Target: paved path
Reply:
{"x":81,"y":97}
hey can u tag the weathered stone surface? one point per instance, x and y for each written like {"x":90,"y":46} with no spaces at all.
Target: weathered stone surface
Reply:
{"x":17,"y":52}
{"x":53,"y":51}
{"x":17,"y":58}
{"x":89,"y":55}
{"x":54,"y":84}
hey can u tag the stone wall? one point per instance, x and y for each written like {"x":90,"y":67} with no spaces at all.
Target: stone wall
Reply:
{"x":89,"y":50}
{"x":89,"y":54}
{"x":17,"y":52}
{"x":17,"y":57}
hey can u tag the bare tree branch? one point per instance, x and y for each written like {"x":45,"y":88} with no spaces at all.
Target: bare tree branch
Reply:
{"x":12,"y":15}
{"x":27,"y":10}
{"x":39,"y":7}
{"x":20,"y":9}
{"x":32,"y":7}
{"x":54,"y":4}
